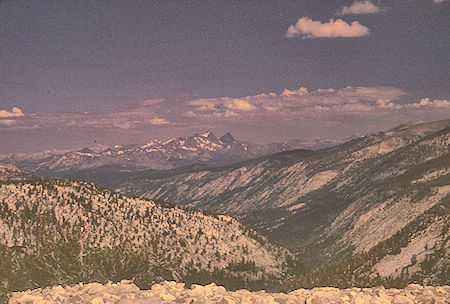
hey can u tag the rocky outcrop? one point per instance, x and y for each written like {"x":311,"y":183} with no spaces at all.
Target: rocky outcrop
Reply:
{"x":171,"y":292}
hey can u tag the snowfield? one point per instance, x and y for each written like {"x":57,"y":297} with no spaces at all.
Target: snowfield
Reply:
{"x":126,"y":292}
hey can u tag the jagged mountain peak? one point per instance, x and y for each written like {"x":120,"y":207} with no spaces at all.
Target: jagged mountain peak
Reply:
{"x":158,"y":154}
{"x":209,"y":134}
{"x":227,"y":138}
{"x":86,"y":150}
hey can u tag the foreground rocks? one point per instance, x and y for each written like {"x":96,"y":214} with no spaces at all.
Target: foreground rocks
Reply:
{"x":126,"y":292}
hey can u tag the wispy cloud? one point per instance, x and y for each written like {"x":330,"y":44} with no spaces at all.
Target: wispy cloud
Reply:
{"x":158,"y":121}
{"x":218,"y":107}
{"x":359,"y":8}
{"x":239,"y":104}
{"x":426,"y":102}
{"x":8,"y":122}
{"x":16,"y":112}
{"x":150,"y":102}
{"x":304,"y":112}
{"x":288,"y":104}
{"x":135,"y":117}
{"x":308,"y":28}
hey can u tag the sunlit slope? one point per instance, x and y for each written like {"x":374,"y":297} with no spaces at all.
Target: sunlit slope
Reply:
{"x":60,"y":231}
{"x":327,"y":204}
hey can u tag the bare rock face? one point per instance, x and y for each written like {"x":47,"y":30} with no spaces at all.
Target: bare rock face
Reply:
{"x":126,"y":292}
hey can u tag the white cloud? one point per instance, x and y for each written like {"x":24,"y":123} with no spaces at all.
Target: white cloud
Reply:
{"x":8,"y":122}
{"x":123,"y":125}
{"x":303,"y":112}
{"x":267,"y":111}
{"x":158,"y":121}
{"x":360,"y":7}
{"x":426,"y":102}
{"x":386,"y":104}
{"x":239,"y":104}
{"x":203,"y":104}
{"x":229,"y":113}
{"x":307,"y":28}
{"x":357,"y":94}
{"x":438,"y":1}
{"x":134,"y":118}
{"x":301,"y":91}
{"x":210,"y":115}
{"x":16,"y":112}
{"x":295,"y":102}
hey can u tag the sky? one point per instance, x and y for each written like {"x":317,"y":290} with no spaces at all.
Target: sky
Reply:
{"x":77,"y":73}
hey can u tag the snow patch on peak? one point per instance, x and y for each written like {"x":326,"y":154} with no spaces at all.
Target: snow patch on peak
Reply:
{"x":206,"y":134}
{"x":168,"y":141}
{"x":148,"y":145}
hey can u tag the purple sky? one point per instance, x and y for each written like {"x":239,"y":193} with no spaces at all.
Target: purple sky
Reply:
{"x":80,"y":73}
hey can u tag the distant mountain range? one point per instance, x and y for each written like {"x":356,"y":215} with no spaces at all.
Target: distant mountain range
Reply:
{"x":199,"y":149}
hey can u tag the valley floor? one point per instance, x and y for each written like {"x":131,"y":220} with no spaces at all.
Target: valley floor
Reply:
{"x":126,"y":292}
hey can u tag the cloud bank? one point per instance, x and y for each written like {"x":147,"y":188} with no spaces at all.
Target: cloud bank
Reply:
{"x":294,"y":102}
{"x":286,"y":105}
{"x":16,"y":112}
{"x":7,"y":118}
{"x":308,"y":28}
{"x":291,"y":113}
{"x":318,"y":107}
{"x":7,"y":122}
{"x":359,"y":8}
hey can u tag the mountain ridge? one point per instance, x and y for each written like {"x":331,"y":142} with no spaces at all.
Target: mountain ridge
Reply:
{"x":56,"y":231}
{"x":198,"y":149}
{"x":320,"y":203}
